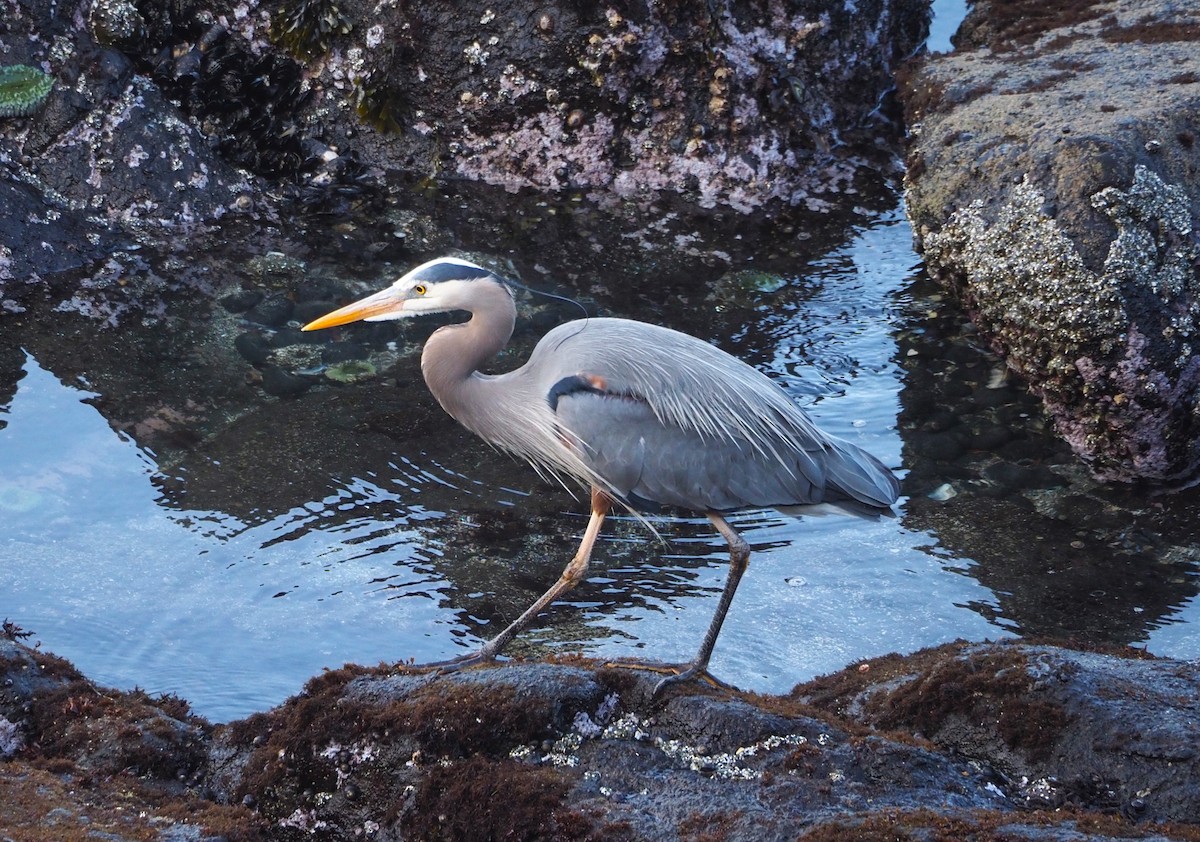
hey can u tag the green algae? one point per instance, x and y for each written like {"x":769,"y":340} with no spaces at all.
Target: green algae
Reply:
{"x":23,"y":89}
{"x":16,"y":499}
{"x":351,"y":371}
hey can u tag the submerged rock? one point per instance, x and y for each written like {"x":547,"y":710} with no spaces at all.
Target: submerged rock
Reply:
{"x":1055,"y":188}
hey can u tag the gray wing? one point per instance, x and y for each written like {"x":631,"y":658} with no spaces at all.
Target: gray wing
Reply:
{"x":669,"y":418}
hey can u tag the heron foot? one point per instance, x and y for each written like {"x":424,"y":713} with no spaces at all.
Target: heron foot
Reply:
{"x":675,"y":674}
{"x":453,"y":664}
{"x":691,"y":673}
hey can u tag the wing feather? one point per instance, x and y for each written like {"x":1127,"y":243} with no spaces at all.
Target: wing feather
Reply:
{"x":677,"y":393}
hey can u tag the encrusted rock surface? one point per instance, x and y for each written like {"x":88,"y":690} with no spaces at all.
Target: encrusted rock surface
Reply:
{"x":105,"y":165}
{"x":168,"y":119}
{"x":1054,"y":183}
{"x":963,"y":742}
{"x":732,"y":104}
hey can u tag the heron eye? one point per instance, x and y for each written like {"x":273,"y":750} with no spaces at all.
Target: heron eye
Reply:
{"x":420,"y":289}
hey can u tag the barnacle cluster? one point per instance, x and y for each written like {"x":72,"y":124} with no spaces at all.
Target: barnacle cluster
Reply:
{"x":22,"y":90}
{"x":306,"y":27}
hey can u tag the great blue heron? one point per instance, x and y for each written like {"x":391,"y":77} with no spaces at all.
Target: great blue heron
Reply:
{"x":638,"y":413}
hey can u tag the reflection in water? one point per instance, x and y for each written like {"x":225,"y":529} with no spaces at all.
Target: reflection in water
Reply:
{"x":227,"y":614}
{"x":358,"y":523}
{"x":1066,"y":557}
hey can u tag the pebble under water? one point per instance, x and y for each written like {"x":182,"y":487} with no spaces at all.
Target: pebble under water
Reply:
{"x":265,"y":535}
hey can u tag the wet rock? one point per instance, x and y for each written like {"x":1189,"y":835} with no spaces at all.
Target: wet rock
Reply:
{"x":276,"y":269}
{"x":116,"y":23}
{"x":340,"y":352}
{"x":987,"y":397}
{"x":253,"y":347}
{"x":307,"y":311}
{"x":1052,"y":185}
{"x":1089,"y":512}
{"x":106,"y":165}
{"x":241,"y":300}
{"x":281,"y":383}
{"x":626,"y":104}
{"x":1015,"y":741}
{"x":988,"y":437}
{"x":59,"y":711}
{"x":286,"y":337}
{"x":165,"y":120}
{"x":937,"y":447}
{"x":272,"y":311}
{"x":1017,"y":476}
{"x":1098,"y":730}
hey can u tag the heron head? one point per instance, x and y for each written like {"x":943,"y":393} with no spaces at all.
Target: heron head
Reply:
{"x":436,"y":286}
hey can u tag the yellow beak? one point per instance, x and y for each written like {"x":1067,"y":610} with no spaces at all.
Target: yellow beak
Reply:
{"x":379,"y":304}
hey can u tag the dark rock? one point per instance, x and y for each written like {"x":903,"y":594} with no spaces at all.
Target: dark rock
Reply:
{"x":1050,"y":188}
{"x":513,"y":108}
{"x":273,"y":311}
{"x":286,"y":336}
{"x":307,"y":311}
{"x":938,"y":447}
{"x":1017,"y":741}
{"x":987,"y":398}
{"x":1096,"y":730}
{"x":987,"y":437}
{"x":940,"y":420}
{"x":1025,"y":450}
{"x":283,"y":384}
{"x":340,"y":352}
{"x":316,"y":290}
{"x":241,"y":300}
{"x":1013,"y":476}
{"x":168,"y":118}
{"x":62,"y":714}
{"x":1089,"y":513}
{"x":253,"y":347}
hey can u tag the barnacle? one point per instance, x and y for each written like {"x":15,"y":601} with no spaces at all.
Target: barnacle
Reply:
{"x":306,"y":27}
{"x":22,"y":90}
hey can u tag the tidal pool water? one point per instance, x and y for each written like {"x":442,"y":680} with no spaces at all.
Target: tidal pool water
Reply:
{"x":356,"y":523}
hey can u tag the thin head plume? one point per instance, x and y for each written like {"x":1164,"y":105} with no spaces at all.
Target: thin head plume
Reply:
{"x":507,"y":281}
{"x":582,"y":322}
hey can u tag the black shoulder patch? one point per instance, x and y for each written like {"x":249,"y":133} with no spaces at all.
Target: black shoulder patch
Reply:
{"x":568,"y":386}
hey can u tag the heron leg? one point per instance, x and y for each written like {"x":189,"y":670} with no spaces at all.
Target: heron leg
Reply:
{"x":574,"y":571}
{"x":739,"y":560}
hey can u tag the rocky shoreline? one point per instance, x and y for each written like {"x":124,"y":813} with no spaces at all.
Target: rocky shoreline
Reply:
{"x":967,"y":741}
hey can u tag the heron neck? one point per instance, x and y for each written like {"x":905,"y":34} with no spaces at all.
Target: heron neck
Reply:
{"x":453,"y":354}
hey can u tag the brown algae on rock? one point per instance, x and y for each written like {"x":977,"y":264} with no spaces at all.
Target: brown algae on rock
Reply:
{"x":23,"y":89}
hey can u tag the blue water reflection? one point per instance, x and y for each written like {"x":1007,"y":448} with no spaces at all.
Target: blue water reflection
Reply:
{"x":231,"y":616}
